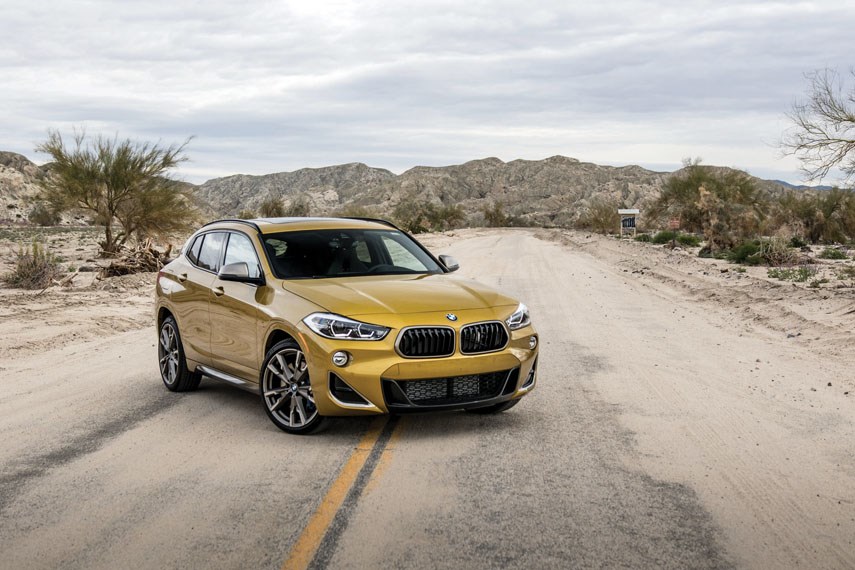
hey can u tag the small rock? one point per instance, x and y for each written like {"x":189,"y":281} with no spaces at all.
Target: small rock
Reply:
{"x":829,"y":383}
{"x":813,"y":389}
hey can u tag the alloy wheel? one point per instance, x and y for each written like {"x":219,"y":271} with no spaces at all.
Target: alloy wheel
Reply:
{"x":168,"y":353}
{"x":286,"y":388}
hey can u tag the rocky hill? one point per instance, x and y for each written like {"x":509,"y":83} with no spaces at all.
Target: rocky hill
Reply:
{"x":19,"y":186}
{"x":553,"y":191}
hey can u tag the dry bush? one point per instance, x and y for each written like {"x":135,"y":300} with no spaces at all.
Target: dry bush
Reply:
{"x":246,"y":215}
{"x":417,"y":216}
{"x":777,"y":252}
{"x":601,"y":216}
{"x":724,"y":204}
{"x":271,"y":207}
{"x":44,"y":215}
{"x":35,"y":268}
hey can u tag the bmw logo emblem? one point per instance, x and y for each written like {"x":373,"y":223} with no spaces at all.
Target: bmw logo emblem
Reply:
{"x":451,"y":317}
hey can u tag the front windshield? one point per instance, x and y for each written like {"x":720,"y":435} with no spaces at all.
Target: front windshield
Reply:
{"x":345,"y":253}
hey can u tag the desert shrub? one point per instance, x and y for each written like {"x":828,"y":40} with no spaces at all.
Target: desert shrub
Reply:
{"x":796,"y":274}
{"x":817,"y":282}
{"x":832,"y":253}
{"x":724,"y":204}
{"x":846,"y":272}
{"x":797,"y":242}
{"x":601,"y":216}
{"x":44,"y":215}
{"x":665,"y":237}
{"x":417,"y":216}
{"x":688,"y":240}
{"x":746,"y":253}
{"x":777,"y":252}
{"x":774,"y":252}
{"x":495,"y":216}
{"x":246,"y":215}
{"x":298,"y":208}
{"x":34,"y":268}
{"x":271,"y":207}
{"x":643,"y":238}
{"x":825,"y":216}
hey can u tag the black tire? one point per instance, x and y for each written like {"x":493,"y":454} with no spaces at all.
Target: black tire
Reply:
{"x":495,"y":408}
{"x":170,"y":354}
{"x":286,"y":392}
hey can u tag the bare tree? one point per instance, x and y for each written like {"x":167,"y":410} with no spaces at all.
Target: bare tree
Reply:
{"x":823,"y":135}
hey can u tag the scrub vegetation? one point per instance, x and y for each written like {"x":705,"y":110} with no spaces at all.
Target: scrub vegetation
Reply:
{"x":34,"y":268}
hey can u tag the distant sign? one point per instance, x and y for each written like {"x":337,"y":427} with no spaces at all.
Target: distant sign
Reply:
{"x":627,"y":223}
{"x":674,"y":223}
{"x":628,"y":211}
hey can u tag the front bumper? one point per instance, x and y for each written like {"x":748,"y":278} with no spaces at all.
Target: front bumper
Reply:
{"x":378,"y":380}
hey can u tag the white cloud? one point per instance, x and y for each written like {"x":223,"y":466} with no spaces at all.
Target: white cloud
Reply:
{"x":271,"y":86}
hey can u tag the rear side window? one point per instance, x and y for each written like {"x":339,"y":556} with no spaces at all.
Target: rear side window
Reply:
{"x":210,"y":253}
{"x":193,"y":252}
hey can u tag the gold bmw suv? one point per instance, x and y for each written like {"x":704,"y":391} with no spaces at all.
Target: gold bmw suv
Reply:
{"x":336,"y":317}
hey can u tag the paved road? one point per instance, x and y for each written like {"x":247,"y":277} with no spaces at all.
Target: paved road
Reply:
{"x":101,"y":467}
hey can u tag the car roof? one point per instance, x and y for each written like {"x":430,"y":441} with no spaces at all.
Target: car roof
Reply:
{"x":275,"y":225}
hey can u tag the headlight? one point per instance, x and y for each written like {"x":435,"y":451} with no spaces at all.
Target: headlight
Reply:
{"x":335,"y":326}
{"x":521,"y":318}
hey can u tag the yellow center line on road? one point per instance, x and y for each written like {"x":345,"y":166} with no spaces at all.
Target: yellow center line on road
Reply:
{"x":310,"y":539}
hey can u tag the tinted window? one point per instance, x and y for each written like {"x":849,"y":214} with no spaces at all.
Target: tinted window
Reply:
{"x":212,"y":247}
{"x":338,"y":253}
{"x":193,"y":252}
{"x":240,"y":249}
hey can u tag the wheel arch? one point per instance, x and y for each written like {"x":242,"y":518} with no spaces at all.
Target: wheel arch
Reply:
{"x":162,"y":313}
{"x":276,"y":336}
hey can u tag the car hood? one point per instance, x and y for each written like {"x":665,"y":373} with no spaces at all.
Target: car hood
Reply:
{"x":397,"y":294}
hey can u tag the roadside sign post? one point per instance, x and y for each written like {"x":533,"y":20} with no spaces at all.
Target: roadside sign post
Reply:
{"x":627,"y":220}
{"x":674,"y":224}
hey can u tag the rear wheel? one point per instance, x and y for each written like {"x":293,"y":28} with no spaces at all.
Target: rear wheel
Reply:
{"x":286,"y":390}
{"x":495,"y":408}
{"x":173,"y":366}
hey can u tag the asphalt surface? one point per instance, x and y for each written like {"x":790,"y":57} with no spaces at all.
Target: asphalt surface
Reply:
{"x":101,"y":467}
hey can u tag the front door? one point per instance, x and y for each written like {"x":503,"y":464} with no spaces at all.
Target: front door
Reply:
{"x":234,"y":314}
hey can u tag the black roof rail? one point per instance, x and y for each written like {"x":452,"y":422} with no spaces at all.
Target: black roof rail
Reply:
{"x":375,"y":220}
{"x":235,"y":220}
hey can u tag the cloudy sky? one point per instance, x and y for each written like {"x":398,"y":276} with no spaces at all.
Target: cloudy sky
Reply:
{"x":270,"y":86}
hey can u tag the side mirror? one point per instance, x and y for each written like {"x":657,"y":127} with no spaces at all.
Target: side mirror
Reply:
{"x":238,"y":272}
{"x":449,"y":262}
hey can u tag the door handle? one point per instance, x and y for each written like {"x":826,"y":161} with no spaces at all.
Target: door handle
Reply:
{"x":218,"y":291}
{"x":182,"y":277}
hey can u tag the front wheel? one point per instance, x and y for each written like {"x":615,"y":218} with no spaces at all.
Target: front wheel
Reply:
{"x":286,"y":390}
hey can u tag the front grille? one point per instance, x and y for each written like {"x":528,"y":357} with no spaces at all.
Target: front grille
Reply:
{"x":483,"y":337}
{"x":442,"y":391}
{"x":424,"y":342}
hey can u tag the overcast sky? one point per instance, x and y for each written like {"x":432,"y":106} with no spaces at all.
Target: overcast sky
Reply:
{"x":275,"y":86}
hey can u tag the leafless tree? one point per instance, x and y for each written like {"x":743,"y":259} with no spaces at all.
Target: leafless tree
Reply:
{"x":823,"y":132}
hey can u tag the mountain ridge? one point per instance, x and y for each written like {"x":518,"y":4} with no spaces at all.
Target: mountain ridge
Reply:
{"x":551,"y":191}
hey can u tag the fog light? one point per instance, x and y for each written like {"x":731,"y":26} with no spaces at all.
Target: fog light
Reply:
{"x":340,"y":358}
{"x":532,"y":342}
